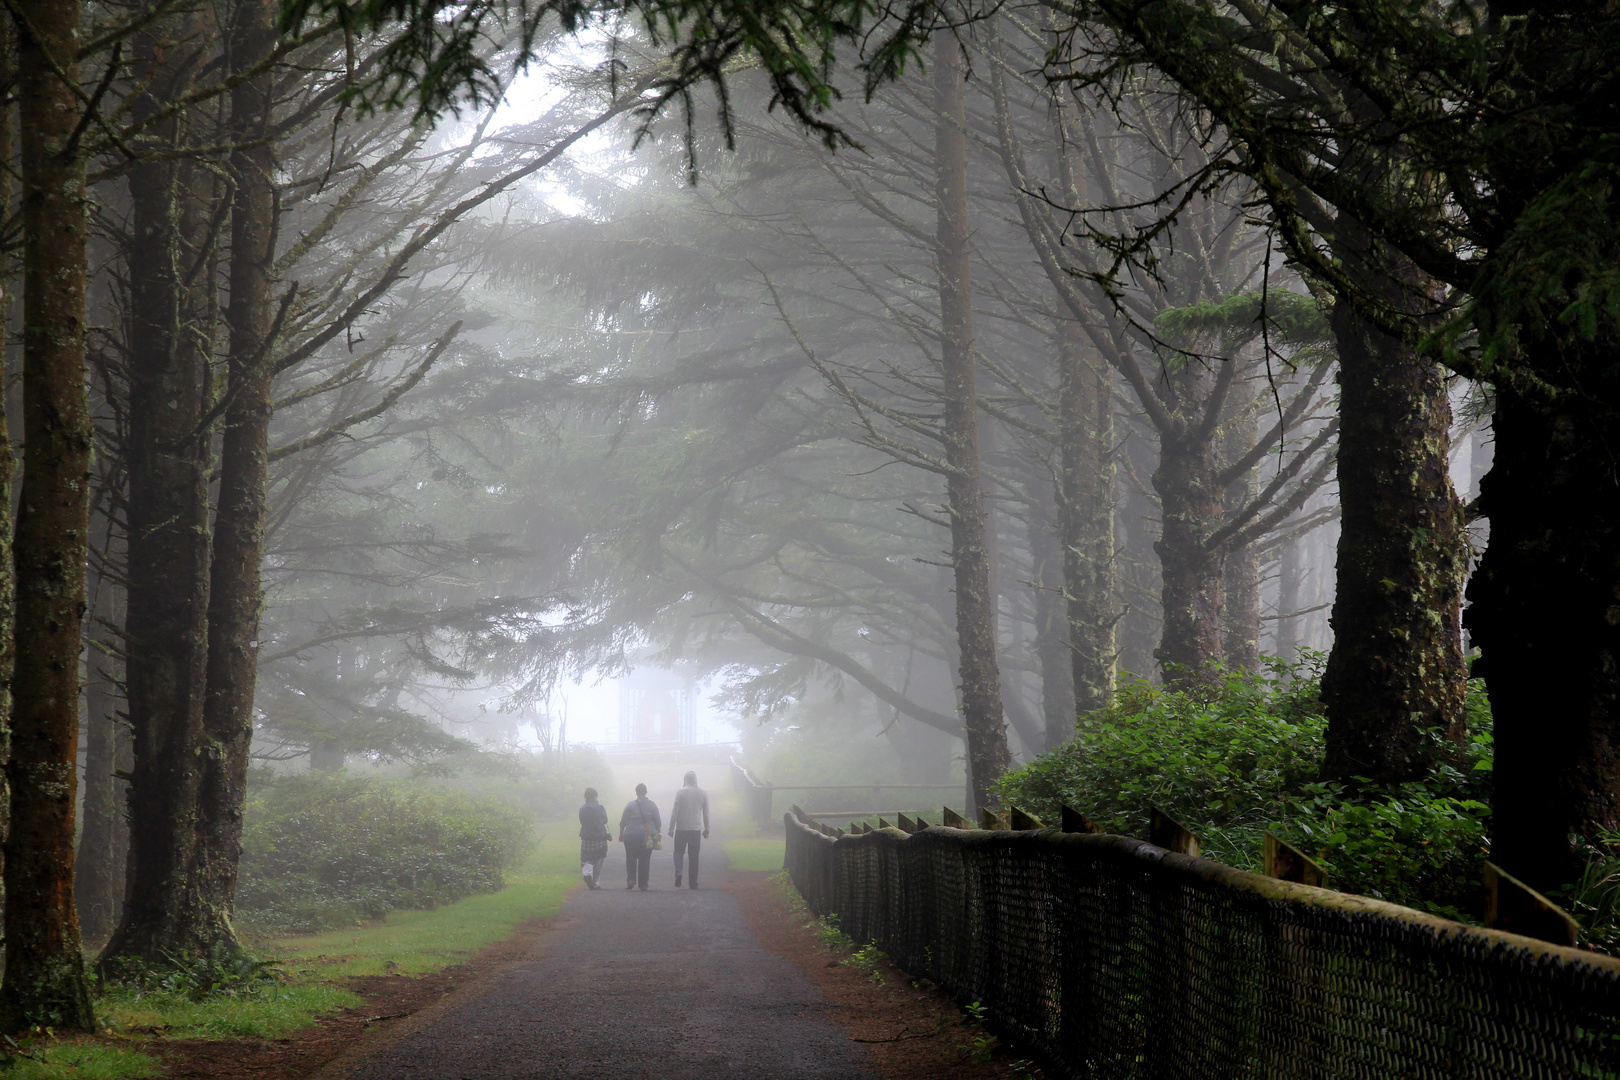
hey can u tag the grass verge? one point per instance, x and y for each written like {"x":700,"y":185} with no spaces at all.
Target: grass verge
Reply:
{"x":314,"y":970}
{"x":751,"y":853}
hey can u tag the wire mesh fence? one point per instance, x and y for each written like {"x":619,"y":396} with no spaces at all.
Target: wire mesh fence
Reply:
{"x":1111,"y":958}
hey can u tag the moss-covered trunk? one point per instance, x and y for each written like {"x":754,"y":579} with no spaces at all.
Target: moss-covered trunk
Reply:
{"x":166,"y":631}
{"x":1191,"y":573}
{"x":1395,"y":681}
{"x":1086,"y":516}
{"x":1051,"y":622}
{"x":236,"y":593}
{"x":44,"y":978}
{"x":982,"y":718}
{"x":1290,"y":579}
{"x":99,"y":884}
{"x":1240,"y":613}
{"x":1544,"y":608}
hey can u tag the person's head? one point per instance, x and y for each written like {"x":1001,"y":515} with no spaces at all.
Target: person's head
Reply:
{"x":691,"y":779}
{"x":590,"y":794}
{"x":641,"y":791}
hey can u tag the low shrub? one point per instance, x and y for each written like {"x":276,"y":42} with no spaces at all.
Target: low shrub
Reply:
{"x":1236,"y":758}
{"x":323,"y":850}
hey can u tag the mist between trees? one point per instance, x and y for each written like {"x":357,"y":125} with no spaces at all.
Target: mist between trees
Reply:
{"x":423,"y":357}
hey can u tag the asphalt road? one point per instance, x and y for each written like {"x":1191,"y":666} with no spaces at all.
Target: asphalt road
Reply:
{"x":666,"y":985}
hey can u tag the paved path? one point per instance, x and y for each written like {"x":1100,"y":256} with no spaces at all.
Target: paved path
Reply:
{"x":662,"y":985}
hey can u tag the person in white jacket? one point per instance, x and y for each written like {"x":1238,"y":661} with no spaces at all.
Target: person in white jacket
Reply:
{"x":689,"y":823}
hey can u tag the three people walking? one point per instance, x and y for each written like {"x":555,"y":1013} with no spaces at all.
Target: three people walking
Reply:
{"x":641,"y":832}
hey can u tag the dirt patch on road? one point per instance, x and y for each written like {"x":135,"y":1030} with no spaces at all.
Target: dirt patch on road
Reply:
{"x":389,"y":999}
{"x":913,"y":1030}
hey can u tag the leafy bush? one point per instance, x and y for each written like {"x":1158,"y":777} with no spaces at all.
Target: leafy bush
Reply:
{"x":1241,"y":756}
{"x":1594,"y":900}
{"x":324,"y":850}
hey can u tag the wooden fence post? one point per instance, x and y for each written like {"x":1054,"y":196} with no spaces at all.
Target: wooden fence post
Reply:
{"x":1285,"y":862}
{"x":990,"y":822}
{"x":953,"y":820}
{"x":1073,"y":820}
{"x":1022,"y":822}
{"x":921,"y":824}
{"x":1170,"y":834}
{"x":906,"y":824}
{"x":1513,"y":906}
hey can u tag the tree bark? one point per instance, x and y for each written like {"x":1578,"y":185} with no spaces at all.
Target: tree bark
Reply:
{"x":99,"y":886}
{"x":1544,"y":607}
{"x":1051,"y":622}
{"x":236,"y":594}
{"x":1086,"y":519}
{"x":166,"y":632}
{"x":44,"y":978}
{"x":982,"y":716}
{"x":1290,"y":576}
{"x":1191,"y":573}
{"x":1240,"y":616}
{"x":1395,"y":676}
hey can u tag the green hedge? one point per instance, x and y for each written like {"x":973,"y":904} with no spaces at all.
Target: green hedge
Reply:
{"x":1235,"y":759}
{"x":326,"y":850}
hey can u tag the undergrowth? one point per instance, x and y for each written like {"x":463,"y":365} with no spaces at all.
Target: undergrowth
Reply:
{"x":1241,"y":756}
{"x":326,"y":850}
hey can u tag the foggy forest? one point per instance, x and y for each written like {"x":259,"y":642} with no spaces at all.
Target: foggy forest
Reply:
{"x":1180,"y":425}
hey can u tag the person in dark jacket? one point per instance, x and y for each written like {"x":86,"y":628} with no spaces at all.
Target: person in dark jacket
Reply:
{"x":593,"y":838}
{"x":639,"y":827}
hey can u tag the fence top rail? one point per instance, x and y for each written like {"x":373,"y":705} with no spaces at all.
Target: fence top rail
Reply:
{"x":864,"y":787}
{"x":1210,"y":874}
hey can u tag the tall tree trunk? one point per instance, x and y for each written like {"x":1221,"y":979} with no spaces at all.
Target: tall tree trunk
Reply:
{"x":236,"y":593}
{"x":982,"y":718}
{"x":1086,"y":518}
{"x":166,"y":632}
{"x":1191,"y":574}
{"x":44,"y":978}
{"x":8,"y":464}
{"x":1240,"y":620}
{"x":1544,"y":608}
{"x":1240,"y":616}
{"x":1051,"y":623}
{"x":1290,"y":576}
{"x":99,"y":887}
{"x":1395,"y":675}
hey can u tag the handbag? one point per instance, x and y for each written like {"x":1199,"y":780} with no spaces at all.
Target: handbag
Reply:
{"x":651,"y":838}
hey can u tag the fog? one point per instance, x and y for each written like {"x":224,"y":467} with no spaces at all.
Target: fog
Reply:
{"x":462,"y":437}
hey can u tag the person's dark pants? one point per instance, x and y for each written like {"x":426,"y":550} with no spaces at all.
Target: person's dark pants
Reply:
{"x":687,"y":840}
{"x":637,"y":863}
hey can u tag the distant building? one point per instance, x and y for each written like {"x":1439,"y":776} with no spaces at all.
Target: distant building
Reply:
{"x":657,"y":706}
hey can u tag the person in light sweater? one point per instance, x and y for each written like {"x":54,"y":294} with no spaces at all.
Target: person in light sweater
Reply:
{"x":689,"y":822}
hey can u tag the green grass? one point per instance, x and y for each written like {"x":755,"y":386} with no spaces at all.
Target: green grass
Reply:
{"x":82,"y":1060}
{"x":315,"y":967}
{"x":755,"y":852}
{"x":270,"y":1012}
{"x":418,"y":942}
